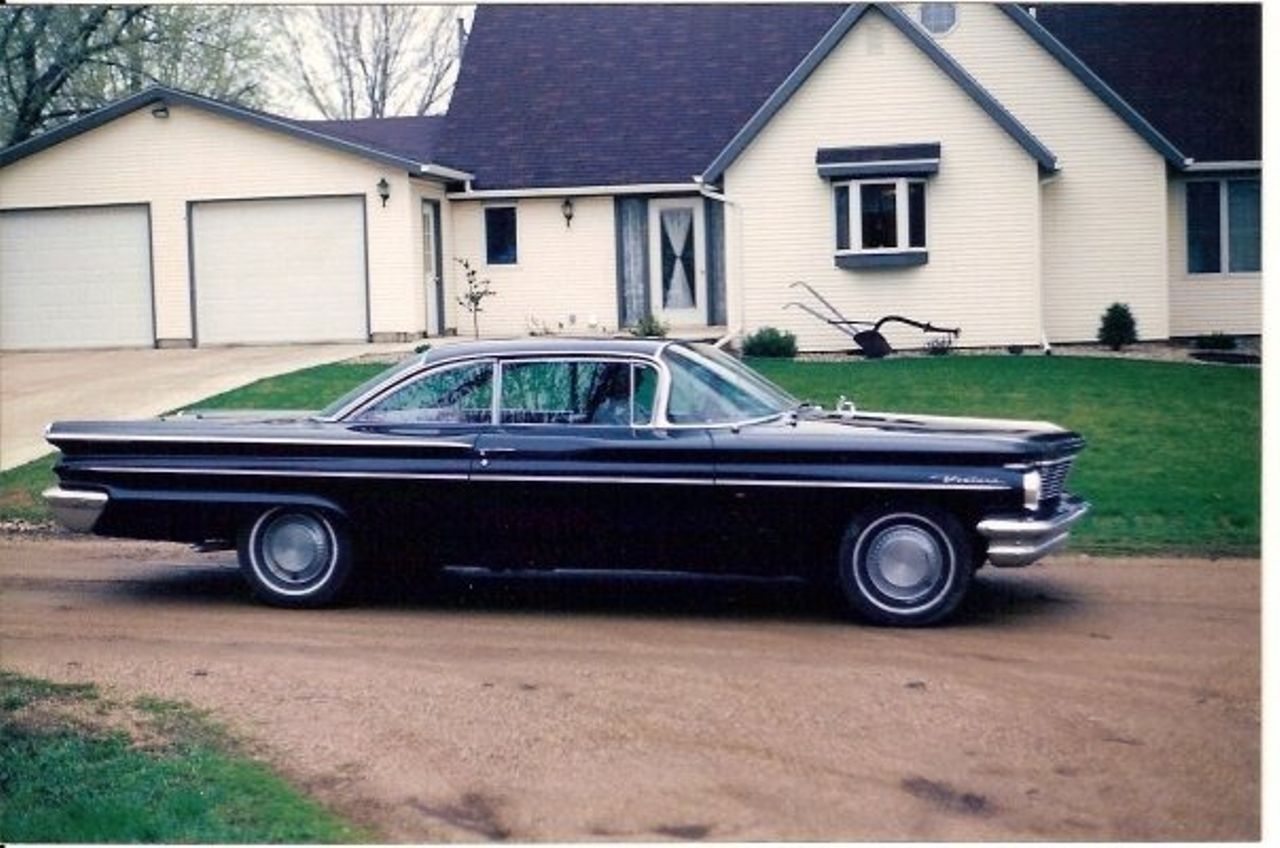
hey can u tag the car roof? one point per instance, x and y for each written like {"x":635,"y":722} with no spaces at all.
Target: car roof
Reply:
{"x":542,"y":346}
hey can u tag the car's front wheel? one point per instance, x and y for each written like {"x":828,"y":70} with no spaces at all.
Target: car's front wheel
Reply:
{"x":296,"y":557}
{"x":905,"y":565}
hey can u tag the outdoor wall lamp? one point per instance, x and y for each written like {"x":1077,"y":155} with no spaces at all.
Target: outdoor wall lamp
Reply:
{"x":160,"y":110}
{"x":566,"y":209}
{"x":384,"y":190}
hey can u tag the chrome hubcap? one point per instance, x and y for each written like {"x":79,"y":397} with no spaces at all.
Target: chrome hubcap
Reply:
{"x":904,"y":563}
{"x":296,"y":548}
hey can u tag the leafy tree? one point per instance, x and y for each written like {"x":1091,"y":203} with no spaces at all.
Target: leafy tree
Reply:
{"x":369,"y":61}
{"x":62,"y":62}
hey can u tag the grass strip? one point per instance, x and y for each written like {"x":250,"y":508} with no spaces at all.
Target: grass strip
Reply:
{"x":76,"y":767}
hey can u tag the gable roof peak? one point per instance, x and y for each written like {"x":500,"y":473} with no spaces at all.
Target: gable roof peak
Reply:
{"x":922,"y":40}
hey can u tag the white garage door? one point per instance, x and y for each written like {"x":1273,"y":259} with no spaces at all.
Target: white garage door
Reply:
{"x":75,"y":278}
{"x":270,"y":271}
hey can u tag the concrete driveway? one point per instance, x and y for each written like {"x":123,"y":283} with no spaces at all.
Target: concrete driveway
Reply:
{"x":39,"y":387}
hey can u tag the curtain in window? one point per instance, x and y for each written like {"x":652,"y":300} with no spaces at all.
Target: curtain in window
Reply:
{"x":1244,"y":222}
{"x":677,"y":259}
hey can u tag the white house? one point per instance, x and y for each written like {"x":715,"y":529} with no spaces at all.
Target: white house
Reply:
{"x":1008,"y":171}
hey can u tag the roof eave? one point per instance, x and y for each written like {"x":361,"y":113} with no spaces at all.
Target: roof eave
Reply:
{"x":1044,"y":157}
{"x":1095,"y":84}
{"x":162,"y":94}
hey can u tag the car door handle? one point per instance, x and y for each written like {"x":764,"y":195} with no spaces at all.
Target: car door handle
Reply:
{"x":486,"y":452}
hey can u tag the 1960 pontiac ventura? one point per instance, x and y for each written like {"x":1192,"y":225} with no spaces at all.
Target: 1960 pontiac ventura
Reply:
{"x":604,"y":454}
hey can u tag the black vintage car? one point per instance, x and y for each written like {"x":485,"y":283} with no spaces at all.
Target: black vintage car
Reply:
{"x":604,"y":454}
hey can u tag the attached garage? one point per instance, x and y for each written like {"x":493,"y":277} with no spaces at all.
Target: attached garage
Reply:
{"x":76,"y":277}
{"x":279,"y":270}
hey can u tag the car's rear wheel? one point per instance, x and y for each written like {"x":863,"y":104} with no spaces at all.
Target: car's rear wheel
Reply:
{"x":296,"y":557}
{"x":905,"y":565}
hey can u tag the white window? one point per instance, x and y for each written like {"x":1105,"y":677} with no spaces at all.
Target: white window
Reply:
{"x":880,"y":216}
{"x":1224,"y":226}
{"x":938,"y":18}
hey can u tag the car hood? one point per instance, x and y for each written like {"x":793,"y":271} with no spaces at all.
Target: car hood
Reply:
{"x":996,"y":439}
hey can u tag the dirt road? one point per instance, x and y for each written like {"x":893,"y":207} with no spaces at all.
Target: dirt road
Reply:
{"x":1080,"y":699}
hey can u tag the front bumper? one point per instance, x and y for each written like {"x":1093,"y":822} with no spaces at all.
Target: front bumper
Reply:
{"x":1015,"y":541}
{"x":76,"y":509}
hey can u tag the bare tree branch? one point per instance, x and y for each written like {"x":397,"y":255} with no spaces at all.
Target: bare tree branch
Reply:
{"x":369,"y":61}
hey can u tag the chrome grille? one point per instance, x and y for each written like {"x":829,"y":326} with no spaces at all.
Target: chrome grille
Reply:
{"x":1053,"y":477}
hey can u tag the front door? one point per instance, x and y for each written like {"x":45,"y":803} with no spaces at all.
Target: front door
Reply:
{"x":433,"y":273}
{"x":678,"y":277}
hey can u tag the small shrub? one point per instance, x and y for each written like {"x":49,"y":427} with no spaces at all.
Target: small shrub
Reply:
{"x":1216,"y":341}
{"x":422,"y":348}
{"x":649,"y":327}
{"x":770,"y":342}
{"x":940,"y":346}
{"x":1014,"y":350}
{"x":1118,"y":327}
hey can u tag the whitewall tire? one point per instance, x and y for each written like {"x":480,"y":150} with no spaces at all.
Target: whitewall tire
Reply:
{"x":905,"y":565}
{"x":296,"y":557}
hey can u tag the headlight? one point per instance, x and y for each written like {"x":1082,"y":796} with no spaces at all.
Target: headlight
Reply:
{"x":1031,"y":490}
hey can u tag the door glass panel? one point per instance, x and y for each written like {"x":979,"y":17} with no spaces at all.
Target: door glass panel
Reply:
{"x":566,"y":392}
{"x":459,"y":395}
{"x":678,"y":291}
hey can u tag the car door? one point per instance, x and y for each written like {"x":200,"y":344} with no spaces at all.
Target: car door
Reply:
{"x":428,"y":425}
{"x":575,"y":474}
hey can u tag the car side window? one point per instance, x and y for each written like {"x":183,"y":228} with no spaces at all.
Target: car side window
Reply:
{"x":644,"y":392}
{"x":462,"y":394}
{"x":569,"y":392}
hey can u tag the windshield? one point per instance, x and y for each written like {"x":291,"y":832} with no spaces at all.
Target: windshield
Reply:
{"x":708,"y":386}
{"x":376,"y":380}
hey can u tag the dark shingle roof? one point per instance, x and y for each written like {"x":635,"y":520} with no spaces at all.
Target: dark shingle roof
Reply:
{"x":412,"y":137}
{"x":1192,"y":70}
{"x":560,"y":95}
{"x":565,"y":95}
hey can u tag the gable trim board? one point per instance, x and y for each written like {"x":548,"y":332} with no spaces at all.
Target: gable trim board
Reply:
{"x":1094,"y":83}
{"x":1024,"y":137}
{"x":164,"y":96}
{"x":576,"y":191}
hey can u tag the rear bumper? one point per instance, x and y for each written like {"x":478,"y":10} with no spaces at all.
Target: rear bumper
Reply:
{"x":76,"y":509}
{"x":1016,"y":541}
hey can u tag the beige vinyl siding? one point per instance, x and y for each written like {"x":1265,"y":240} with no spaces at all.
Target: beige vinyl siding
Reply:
{"x":1206,"y":303}
{"x":982,"y":207}
{"x":1105,"y":235}
{"x":560,"y":271}
{"x":194,"y":155}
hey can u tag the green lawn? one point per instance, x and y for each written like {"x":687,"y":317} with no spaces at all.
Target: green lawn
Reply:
{"x":75,"y":767}
{"x":1174,"y":456}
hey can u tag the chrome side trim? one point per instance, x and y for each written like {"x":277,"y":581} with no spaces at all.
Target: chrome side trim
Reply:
{"x":869,"y":484}
{"x":75,"y":509}
{"x":385,"y":442}
{"x":1015,"y":542}
{"x":267,"y":472}
{"x":545,"y":478}
{"x":533,"y":478}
